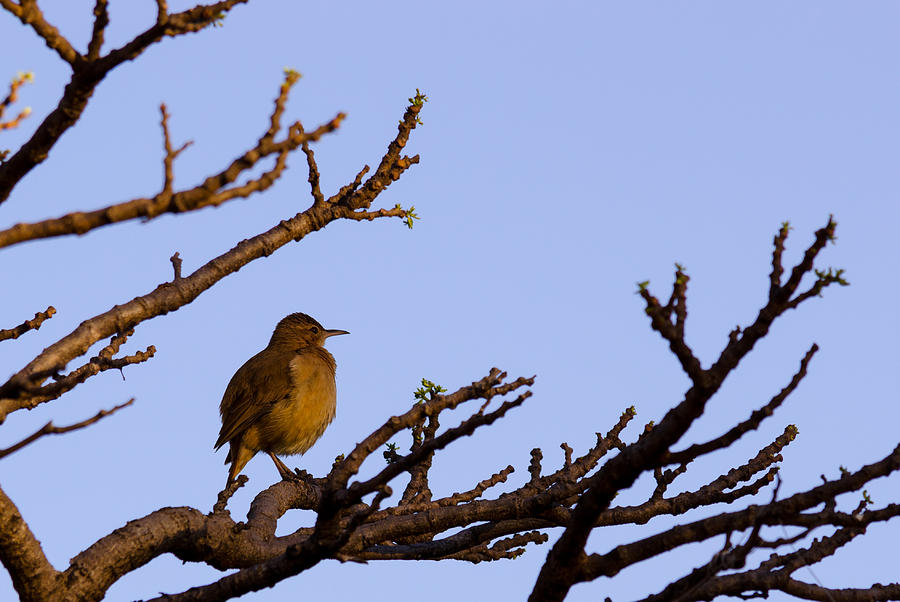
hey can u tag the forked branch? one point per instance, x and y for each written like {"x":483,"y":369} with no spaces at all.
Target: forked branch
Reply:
{"x":566,"y":562}
{"x":212,"y":192}
{"x":89,"y":70}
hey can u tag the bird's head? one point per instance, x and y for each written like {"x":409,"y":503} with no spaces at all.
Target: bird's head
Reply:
{"x":301,"y":330}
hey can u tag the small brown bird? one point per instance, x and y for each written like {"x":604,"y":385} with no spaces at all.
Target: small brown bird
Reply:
{"x":282,"y":399}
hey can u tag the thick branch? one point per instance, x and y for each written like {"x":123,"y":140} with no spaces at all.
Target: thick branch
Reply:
{"x":329,"y":535}
{"x":393,"y":533}
{"x":215,"y":540}
{"x":32,"y":574}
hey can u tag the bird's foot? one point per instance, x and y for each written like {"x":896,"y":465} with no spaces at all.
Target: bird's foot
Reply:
{"x":297,"y":475}
{"x":286,"y":473}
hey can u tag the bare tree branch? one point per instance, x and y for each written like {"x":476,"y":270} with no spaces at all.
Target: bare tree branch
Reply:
{"x":33,"y":394}
{"x":176,"y":265}
{"x":313,"y":174}
{"x":27,"y":325}
{"x":566,"y":561}
{"x":170,"y":296}
{"x":213,"y":191}
{"x":215,"y":539}
{"x":101,"y":20}
{"x":472,"y":523}
{"x":20,"y":552}
{"x":87,"y":73}
{"x":12,"y":97}
{"x":170,"y":156}
{"x":752,"y":423}
{"x":30,"y":14}
{"x":50,"y":429}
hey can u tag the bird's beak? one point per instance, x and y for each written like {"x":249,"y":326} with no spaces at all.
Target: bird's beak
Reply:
{"x":331,"y":333}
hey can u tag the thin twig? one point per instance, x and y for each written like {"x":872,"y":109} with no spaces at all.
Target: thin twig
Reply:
{"x":101,"y":20}
{"x":32,"y":324}
{"x":176,"y":265}
{"x":49,"y":429}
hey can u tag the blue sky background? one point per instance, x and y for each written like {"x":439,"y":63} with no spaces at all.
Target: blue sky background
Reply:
{"x":568,"y":151}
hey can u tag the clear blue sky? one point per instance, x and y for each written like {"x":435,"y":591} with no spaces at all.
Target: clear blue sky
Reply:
{"x":569,"y":150}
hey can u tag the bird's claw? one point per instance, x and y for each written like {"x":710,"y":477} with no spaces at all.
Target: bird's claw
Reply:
{"x":297,"y":475}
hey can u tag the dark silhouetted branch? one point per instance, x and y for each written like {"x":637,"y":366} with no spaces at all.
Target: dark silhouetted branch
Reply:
{"x":566,"y":563}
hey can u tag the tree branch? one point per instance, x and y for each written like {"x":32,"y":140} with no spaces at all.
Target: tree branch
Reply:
{"x":50,"y":429}
{"x":565,"y":564}
{"x":20,"y":552}
{"x":30,"y":14}
{"x":170,"y":296}
{"x":101,"y":20}
{"x":12,"y":97}
{"x":211,"y":192}
{"x":27,"y":325}
{"x":32,"y":394}
{"x":87,"y":73}
{"x":750,"y":424}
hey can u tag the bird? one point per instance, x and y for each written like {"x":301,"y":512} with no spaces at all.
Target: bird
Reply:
{"x":282,"y":399}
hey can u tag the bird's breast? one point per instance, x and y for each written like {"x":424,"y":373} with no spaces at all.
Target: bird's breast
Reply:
{"x":298,"y":420}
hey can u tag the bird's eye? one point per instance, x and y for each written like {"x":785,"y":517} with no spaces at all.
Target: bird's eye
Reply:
{"x":315,"y":330}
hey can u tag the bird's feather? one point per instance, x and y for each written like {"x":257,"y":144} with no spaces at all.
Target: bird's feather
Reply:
{"x":241,"y":405}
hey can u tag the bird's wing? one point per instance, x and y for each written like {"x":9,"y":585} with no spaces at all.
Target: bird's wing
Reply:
{"x":253,"y":390}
